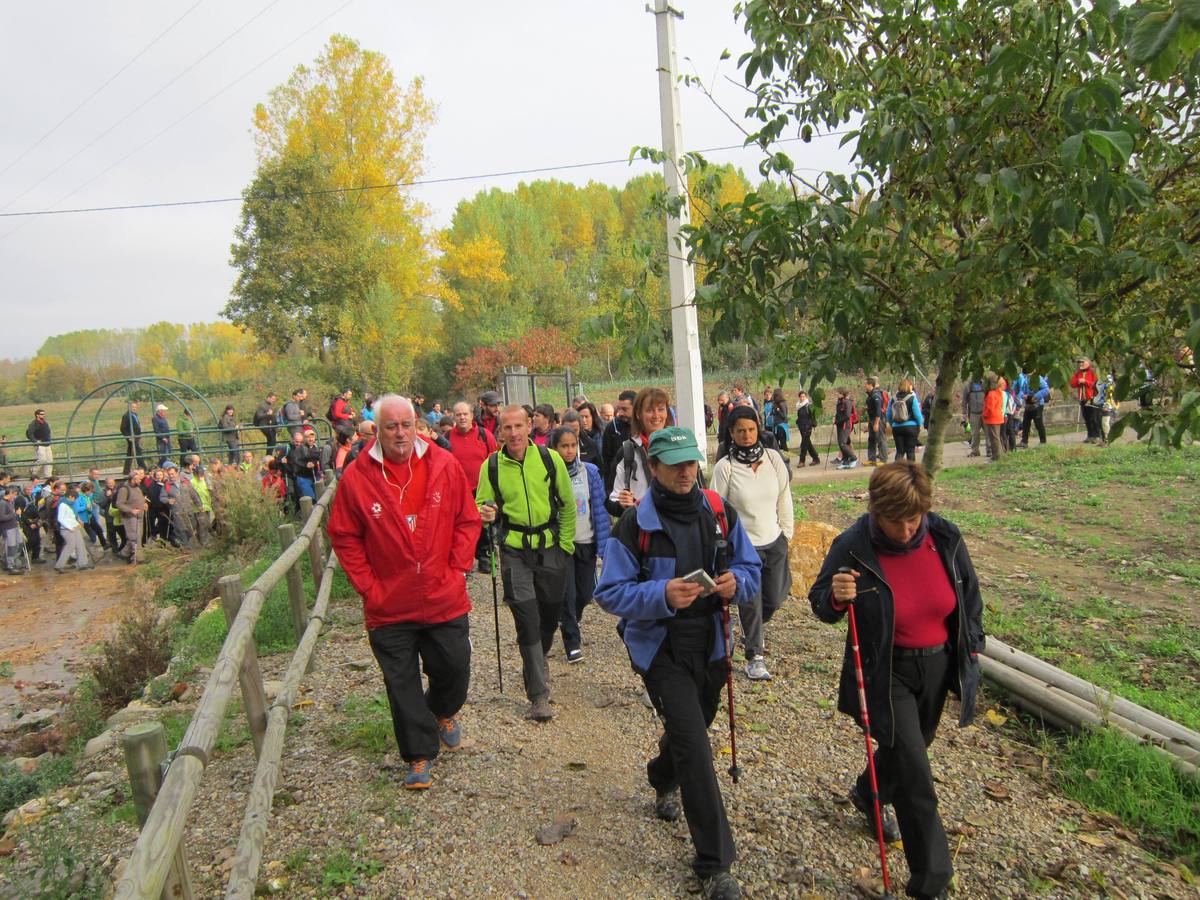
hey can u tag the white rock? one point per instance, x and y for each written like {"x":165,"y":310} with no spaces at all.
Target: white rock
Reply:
{"x":95,"y":777}
{"x":99,"y":744}
{"x":25,"y":764}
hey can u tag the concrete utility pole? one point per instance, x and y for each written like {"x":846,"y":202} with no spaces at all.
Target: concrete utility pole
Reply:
{"x":685,"y":344}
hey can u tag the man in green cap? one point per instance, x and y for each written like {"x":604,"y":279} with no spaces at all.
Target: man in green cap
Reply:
{"x":671,"y":625}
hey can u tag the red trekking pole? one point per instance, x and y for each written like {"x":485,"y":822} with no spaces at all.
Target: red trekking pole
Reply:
{"x":866,"y":724}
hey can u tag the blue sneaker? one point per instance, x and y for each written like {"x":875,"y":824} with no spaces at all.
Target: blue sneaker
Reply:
{"x":450,"y":732}
{"x":851,"y":464}
{"x":418,"y":777}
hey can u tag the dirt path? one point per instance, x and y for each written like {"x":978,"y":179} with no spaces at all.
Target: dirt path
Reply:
{"x":47,"y":621}
{"x":342,"y":824}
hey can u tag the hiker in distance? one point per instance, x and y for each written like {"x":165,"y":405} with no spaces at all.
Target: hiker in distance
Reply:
{"x":671,"y":625}
{"x":404,"y":527}
{"x":920,"y":626}
{"x":526,"y":490}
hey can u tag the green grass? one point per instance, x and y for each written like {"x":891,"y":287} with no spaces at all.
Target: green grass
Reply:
{"x":1138,"y":785}
{"x":366,"y":726}
{"x":343,"y":868}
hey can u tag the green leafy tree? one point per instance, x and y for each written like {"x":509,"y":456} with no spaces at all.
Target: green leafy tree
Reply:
{"x":327,"y":220}
{"x":1009,"y":198}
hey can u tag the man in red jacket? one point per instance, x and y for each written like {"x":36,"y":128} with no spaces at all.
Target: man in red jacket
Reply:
{"x":1083,"y":382}
{"x":471,"y":444}
{"x":404,"y":526}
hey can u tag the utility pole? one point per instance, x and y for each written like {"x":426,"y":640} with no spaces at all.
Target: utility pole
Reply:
{"x":685,"y":342}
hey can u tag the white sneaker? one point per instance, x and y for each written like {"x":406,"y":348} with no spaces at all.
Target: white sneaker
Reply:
{"x":756,"y":669}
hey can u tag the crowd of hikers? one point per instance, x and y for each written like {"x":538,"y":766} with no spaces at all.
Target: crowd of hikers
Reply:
{"x":603,"y":504}
{"x":606,"y":504}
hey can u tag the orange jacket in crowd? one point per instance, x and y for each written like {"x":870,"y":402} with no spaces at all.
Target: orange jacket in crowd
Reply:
{"x":993,"y":407}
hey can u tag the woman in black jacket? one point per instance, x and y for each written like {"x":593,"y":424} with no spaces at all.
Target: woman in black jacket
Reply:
{"x":920,"y":626}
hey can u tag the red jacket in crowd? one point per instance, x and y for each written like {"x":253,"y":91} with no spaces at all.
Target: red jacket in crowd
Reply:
{"x":406,"y":572}
{"x":471,"y":449}
{"x":342,"y":411}
{"x":1084,"y":383}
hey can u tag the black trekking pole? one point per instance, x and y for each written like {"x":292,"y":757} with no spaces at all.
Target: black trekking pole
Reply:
{"x":495,"y":599}
{"x":722,"y":566}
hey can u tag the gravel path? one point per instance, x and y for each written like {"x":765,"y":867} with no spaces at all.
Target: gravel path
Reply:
{"x":474,"y":832}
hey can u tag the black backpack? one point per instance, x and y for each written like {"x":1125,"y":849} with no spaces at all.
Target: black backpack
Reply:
{"x":526,"y":532}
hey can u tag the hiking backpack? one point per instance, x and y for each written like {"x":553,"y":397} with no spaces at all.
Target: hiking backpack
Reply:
{"x":526,"y":532}
{"x":901,"y":411}
{"x":715,"y":503}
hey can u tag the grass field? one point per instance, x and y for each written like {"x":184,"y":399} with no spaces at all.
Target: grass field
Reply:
{"x":1090,"y":560}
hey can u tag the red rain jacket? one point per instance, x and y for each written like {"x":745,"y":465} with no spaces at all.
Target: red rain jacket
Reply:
{"x":403,"y":573}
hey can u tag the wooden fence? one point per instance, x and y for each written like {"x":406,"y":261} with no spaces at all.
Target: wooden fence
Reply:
{"x":158,"y":864}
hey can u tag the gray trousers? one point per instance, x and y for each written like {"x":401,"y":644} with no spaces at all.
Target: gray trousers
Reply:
{"x":534,"y":582}
{"x":976,"y":420}
{"x":73,"y":546}
{"x":776,"y":582}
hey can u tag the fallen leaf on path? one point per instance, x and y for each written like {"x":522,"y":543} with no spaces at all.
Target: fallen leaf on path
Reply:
{"x":1091,"y":839}
{"x":995,"y":718}
{"x":568,"y":858}
{"x":556,"y":831}
{"x":867,"y":884}
{"x":996,"y":790}
{"x":576,"y":766}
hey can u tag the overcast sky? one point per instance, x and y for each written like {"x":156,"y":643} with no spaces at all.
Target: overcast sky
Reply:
{"x":518,"y":85}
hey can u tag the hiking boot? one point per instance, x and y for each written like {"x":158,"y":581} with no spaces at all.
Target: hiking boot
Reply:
{"x":756,"y":669}
{"x":575,"y":656}
{"x":540,"y":710}
{"x":485,"y":566}
{"x":891,"y":831}
{"x":449,"y":732}
{"x":667,"y":805}
{"x":720,"y":886}
{"x":418,"y":777}
{"x":851,"y":464}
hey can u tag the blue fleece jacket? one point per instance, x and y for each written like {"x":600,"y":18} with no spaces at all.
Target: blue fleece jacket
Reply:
{"x":601,"y":523}
{"x":642,"y":605}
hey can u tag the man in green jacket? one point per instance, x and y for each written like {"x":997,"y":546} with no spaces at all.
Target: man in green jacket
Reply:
{"x":526,"y":491}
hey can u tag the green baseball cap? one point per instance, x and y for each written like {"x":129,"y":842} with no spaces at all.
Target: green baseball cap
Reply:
{"x":674,"y":445}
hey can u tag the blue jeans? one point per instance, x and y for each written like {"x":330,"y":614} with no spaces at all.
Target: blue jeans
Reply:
{"x":304,"y":487}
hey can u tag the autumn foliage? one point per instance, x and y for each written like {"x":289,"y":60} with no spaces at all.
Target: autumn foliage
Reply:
{"x":540,"y":350}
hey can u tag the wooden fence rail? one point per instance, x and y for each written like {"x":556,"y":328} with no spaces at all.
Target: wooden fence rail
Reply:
{"x":152,"y":859}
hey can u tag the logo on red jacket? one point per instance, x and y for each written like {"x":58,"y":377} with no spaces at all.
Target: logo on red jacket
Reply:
{"x":376,"y":510}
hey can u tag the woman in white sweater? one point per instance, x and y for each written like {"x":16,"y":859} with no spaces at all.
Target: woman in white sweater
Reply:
{"x":755,"y":480}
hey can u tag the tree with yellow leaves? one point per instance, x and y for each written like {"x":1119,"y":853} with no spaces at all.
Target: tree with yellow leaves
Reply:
{"x":331,"y":249}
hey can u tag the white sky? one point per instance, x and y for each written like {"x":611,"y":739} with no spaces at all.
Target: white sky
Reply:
{"x":518,"y":85}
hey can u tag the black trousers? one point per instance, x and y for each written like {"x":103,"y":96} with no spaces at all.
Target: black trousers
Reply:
{"x":133,"y":454}
{"x":1091,"y":420}
{"x":1033,"y":417}
{"x":905,"y":779}
{"x":444,"y":652}
{"x":686,"y":691}
{"x":187,"y":446}
{"x":33,"y":540}
{"x":807,"y":448}
{"x":269,"y":437}
{"x":578,"y":589}
{"x":906,"y":442}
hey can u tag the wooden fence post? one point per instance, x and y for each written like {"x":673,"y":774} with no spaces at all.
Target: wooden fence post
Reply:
{"x":319,"y":488}
{"x":295,"y":584}
{"x":145,"y":746}
{"x":316,"y":552}
{"x":254,"y":698}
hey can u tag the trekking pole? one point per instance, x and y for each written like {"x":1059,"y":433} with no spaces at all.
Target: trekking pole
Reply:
{"x":734,"y":771}
{"x":866,"y":724}
{"x":495,"y":601}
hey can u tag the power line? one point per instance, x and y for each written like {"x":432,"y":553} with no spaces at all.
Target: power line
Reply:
{"x":371,"y":187}
{"x":182,"y":118}
{"x":86,"y":100}
{"x":129,"y":115}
